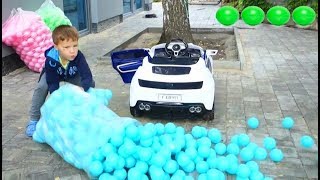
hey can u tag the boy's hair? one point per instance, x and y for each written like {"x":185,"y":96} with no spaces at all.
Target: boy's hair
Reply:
{"x":64,"y":32}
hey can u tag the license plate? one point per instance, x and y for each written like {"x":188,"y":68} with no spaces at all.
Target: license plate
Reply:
{"x":169,"y":97}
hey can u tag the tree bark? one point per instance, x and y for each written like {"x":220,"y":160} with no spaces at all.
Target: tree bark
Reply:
{"x":176,"y":22}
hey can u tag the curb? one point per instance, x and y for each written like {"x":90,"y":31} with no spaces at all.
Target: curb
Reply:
{"x":218,"y":64}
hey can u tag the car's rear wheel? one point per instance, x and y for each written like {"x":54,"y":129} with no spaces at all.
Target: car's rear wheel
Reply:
{"x":209,"y":115}
{"x":135,"y":112}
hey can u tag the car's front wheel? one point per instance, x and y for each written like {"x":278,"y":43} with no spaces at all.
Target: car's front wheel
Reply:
{"x":209,"y":115}
{"x":135,"y":112}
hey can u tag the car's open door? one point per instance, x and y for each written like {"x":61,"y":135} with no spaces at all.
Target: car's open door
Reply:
{"x":126,"y":62}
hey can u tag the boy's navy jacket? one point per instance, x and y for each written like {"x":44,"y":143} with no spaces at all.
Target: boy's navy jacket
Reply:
{"x":56,"y":73}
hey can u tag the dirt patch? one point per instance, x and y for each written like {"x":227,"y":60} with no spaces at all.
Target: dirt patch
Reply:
{"x":225,"y":43}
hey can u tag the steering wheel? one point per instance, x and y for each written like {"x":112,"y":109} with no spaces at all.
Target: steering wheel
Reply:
{"x":176,"y":47}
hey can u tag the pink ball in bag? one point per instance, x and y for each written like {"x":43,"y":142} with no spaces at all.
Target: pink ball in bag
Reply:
{"x":28,"y":35}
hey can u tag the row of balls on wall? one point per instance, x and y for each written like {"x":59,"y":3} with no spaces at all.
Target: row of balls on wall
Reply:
{"x":277,"y":15}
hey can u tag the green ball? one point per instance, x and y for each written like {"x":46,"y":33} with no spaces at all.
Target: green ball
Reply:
{"x":303,"y":15}
{"x":278,"y":15}
{"x":227,"y":15}
{"x":252,"y":15}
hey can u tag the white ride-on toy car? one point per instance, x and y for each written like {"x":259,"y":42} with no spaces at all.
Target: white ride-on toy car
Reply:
{"x":174,"y":77}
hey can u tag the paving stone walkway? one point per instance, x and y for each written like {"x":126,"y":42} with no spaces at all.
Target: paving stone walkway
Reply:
{"x":280,"y":78}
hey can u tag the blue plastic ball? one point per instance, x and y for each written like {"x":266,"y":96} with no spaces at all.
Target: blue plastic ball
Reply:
{"x":142,"y":166}
{"x":145,"y":133}
{"x":253,"y":122}
{"x":189,"y":168}
{"x":120,"y":174}
{"x":98,"y":155}
{"x":170,"y":128}
{"x":213,"y":174}
{"x":130,"y":162}
{"x":232,"y":168}
{"x":243,"y":140}
{"x":156,"y":146}
{"x":287,"y":123}
{"x":145,"y":154}
{"x":246,"y":154}
{"x":202,"y":167}
{"x":158,"y":160}
{"x":223,"y":163}
{"x":212,"y":154}
{"x":116,"y":140}
{"x":204,"y":141}
{"x":183,"y":159}
{"x":269,"y":143}
{"x":232,"y":159}
{"x":159,"y":128}
{"x":306,"y":141}
{"x":132,"y":131}
{"x":179,"y":173}
{"x":191,"y":152}
{"x":254,"y":167}
{"x":253,"y":146}
{"x":196,"y":132}
{"x":256,"y":175}
{"x":198,"y":158}
{"x":171,"y":166}
{"x":234,"y":139}
{"x":120,"y":164}
{"x":105,"y":176}
{"x":276,"y":155}
{"x":243,"y":171}
{"x":260,"y":153}
{"x":134,"y":174}
{"x":108,"y":168}
{"x":146,"y":142}
{"x":204,"y":151}
{"x":129,"y":146}
{"x":95,"y":168}
{"x":233,"y":148}
{"x":165,"y":139}
{"x":220,"y":148}
{"x":203,"y":176}
{"x":156,"y":173}
{"x":108,"y":94}
{"x":212,"y":162}
{"x":112,"y":159}
{"x":215,"y":135}
{"x":180,"y":130}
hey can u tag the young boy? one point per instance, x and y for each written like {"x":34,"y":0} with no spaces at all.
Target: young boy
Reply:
{"x":64,"y":62}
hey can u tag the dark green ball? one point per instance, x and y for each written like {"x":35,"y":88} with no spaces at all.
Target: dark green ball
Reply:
{"x":252,"y":15}
{"x":303,"y":15}
{"x":278,"y":15}
{"x":227,"y":15}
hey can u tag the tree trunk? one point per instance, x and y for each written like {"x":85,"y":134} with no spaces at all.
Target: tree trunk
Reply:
{"x":176,"y":21}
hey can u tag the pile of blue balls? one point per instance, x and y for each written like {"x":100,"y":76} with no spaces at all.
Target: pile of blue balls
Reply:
{"x":87,"y":134}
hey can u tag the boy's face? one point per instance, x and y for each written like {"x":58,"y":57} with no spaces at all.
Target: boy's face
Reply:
{"x":68,"y":49}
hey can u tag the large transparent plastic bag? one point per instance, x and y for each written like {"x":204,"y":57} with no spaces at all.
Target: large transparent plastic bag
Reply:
{"x":77,"y":124}
{"x":52,"y":15}
{"x":27,"y":34}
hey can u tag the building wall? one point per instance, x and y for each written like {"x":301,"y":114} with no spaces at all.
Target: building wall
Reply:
{"x":102,"y":10}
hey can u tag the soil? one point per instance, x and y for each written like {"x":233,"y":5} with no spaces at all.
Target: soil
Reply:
{"x":225,"y":43}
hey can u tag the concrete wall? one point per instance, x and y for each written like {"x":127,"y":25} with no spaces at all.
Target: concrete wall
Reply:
{"x":102,"y":10}
{"x":28,"y":5}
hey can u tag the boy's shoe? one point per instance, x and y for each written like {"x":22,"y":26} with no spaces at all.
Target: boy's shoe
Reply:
{"x":31,"y":127}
